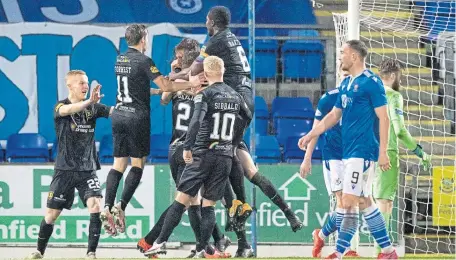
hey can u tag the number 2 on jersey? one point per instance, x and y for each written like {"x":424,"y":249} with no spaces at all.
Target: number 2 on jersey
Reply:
{"x":228,"y":118}
{"x":123,"y":94}
{"x":182,"y":116}
{"x":244,"y":60}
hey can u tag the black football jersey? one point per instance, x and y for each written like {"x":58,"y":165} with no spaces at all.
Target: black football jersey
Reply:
{"x":220,"y":105}
{"x":227,"y":47}
{"x":76,"y":137}
{"x":182,"y":114}
{"x":134,"y":71}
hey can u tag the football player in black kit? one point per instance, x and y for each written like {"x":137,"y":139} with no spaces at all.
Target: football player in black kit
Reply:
{"x":208,"y":152}
{"x":182,"y":102}
{"x":131,"y":122}
{"x":77,"y":161}
{"x":225,"y":45}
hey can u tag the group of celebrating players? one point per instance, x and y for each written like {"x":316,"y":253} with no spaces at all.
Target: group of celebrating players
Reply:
{"x":212,"y":104}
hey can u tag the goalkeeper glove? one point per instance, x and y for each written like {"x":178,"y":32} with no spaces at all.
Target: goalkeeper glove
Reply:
{"x":425,"y":158}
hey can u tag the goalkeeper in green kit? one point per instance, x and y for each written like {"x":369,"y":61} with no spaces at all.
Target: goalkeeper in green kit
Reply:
{"x":386,"y":183}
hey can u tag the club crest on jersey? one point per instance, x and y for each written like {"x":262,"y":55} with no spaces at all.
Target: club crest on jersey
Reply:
{"x":186,"y":6}
{"x":154,"y":69}
{"x":355,"y":88}
{"x":51,"y":195}
{"x":88,"y":114}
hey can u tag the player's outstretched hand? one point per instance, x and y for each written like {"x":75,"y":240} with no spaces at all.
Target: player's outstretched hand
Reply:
{"x":303,"y":142}
{"x":188,"y":157}
{"x":305,"y":168}
{"x":95,"y":94}
{"x":426,"y":161}
{"x":384,"y":161}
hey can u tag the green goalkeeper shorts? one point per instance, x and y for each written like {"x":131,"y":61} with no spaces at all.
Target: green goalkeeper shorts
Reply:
{"x":385,"y":183}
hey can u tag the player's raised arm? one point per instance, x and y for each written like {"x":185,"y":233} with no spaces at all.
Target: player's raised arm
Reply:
{"x":78,"y":84}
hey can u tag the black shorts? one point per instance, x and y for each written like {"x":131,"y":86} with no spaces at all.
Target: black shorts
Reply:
{"x":131,"y":134}
{"x":176,"y":161}
{"x":61,"y":191}
{"x":210,"y":170}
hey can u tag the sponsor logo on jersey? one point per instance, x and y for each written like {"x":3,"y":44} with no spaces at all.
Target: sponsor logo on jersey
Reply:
{"x":186,"y":6}
{"x":318,"y":113}
{"x":50,"y":195}
{"x":154,"y":69}
{"x":355,"y":88}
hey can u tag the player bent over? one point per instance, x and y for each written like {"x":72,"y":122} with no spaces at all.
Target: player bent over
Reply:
{"x":361,"y":102}
{"x":77,"y":161}
{"x":209,"y":140}
{"x":131,"y":122}
{"x":386,"y":183}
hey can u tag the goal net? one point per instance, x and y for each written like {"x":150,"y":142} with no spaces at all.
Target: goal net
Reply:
{"x":421,"y":35}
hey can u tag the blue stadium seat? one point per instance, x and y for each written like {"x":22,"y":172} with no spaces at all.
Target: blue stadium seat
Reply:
{"x":27,"y":148}
{"x":292,"y":153}
{"x":260,"y":103}
{"x":261,"y":121}
{"x":267,"y":149}
{"x":302,"y":59}
{"x":159,"y":146}
{"x":106,"y":150}
{"x":265,"y":52}
{"x":286,"y":127}
{"x":296,"y":103}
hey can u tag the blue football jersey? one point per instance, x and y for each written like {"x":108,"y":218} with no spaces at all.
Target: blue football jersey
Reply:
{"x":332,"y":150}
{"x":358,"y":99}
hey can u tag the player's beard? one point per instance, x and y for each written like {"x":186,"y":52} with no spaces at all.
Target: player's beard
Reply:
{"x":396,"y":85}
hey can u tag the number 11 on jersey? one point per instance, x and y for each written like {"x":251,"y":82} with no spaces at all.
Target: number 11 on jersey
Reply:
{"x":123,"y":94}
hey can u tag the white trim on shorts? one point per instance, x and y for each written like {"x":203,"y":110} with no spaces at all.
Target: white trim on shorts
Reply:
{"x":358,"y":177}
{"x":334,"y":175}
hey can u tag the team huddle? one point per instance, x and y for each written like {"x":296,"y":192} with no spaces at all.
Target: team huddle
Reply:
{"x":212,"y":106}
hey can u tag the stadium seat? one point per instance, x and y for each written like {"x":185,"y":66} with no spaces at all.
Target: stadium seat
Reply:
{"x":289,"y":126}
{"x":159,"y":146}
{"x":296,"y":103}
{"x":2,"y":155}
{"x":261,"y":116}
{"x":292,"y":153}
{"x":28,"y":148}
{"x":302,"y":59}
{"x":265,"y":52}
{"x":260,"y":103}
{"x":106,"y":150}
{"x":267,"y":149}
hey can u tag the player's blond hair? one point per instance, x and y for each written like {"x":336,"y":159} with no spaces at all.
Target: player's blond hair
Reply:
{"x":72,"y":73}
{"x":214,"y":66}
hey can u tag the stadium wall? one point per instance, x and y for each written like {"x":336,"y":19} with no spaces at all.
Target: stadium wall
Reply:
{"x":24,"y":192}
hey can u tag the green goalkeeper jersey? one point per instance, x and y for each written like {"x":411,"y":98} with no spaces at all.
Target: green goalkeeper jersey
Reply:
{"x":397,"y":126}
